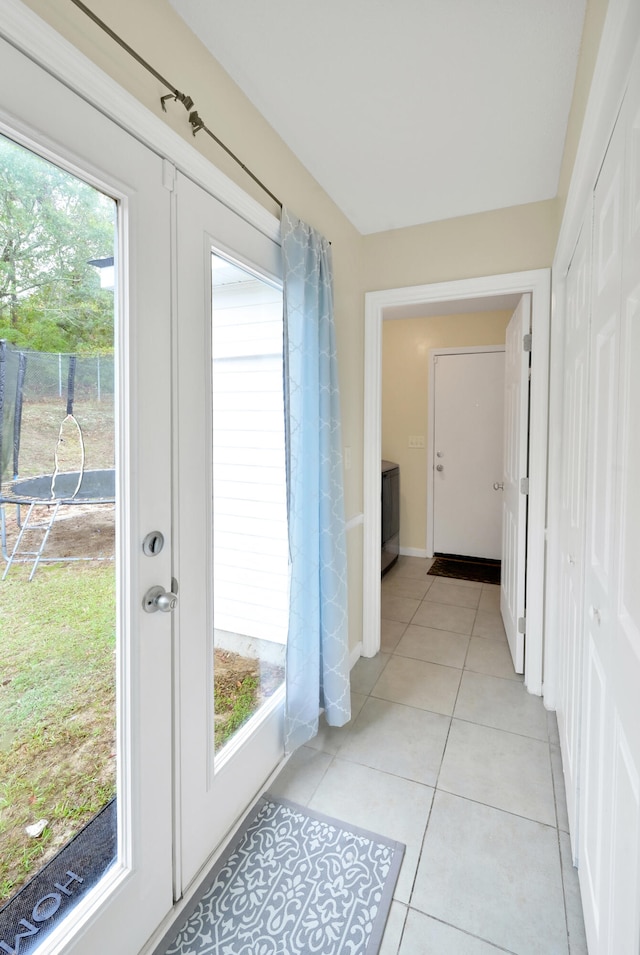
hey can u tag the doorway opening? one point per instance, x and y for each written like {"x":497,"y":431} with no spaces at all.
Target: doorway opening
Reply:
{"x":459,"y":296}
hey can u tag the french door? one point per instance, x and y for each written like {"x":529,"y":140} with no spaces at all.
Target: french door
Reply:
{"x":231,"y":519}
{"x":43,"y":117}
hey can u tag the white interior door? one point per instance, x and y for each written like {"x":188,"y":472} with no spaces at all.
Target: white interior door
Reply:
{"x":135,"y":894}
{"x":467,"y":453}
{"x":609,"y":833}
{"x":514,"y":510}
{"x":572,"y":514}
{"x":231,"y":511}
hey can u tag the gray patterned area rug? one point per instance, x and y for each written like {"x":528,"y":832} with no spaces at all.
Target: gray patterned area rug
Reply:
{"x":293,"y":882}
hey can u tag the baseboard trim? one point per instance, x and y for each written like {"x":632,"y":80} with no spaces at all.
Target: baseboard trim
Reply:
{"x":355,"y":655}
{"x":413,"y":552}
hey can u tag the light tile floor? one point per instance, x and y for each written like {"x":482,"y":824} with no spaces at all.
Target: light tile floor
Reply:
{"x":448,"y":753}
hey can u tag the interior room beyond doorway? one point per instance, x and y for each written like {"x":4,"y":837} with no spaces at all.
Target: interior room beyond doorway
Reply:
{"x":405,"y":410}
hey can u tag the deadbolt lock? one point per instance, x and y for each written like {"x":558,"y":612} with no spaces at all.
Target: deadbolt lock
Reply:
{"x":153,"y":544}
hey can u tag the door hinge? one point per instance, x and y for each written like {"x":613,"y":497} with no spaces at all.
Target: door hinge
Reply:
{"x":522,"y":624}
{"x":524,"y":485}
{"x":526,"y":342}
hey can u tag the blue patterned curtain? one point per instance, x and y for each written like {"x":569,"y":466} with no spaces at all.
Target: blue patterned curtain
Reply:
{"x":318,"y":645}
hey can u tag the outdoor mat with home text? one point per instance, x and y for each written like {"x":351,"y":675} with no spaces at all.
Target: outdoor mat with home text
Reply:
{"x":466,"y":568}
{"x":292,"y":882}
{"x":49,"y":895}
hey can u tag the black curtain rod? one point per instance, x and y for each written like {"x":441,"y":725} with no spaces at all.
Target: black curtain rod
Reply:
{"x":197,"y":124}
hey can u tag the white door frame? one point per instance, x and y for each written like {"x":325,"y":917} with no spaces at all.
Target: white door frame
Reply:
{"x":433,"y":353}
{"x":467,"y":292}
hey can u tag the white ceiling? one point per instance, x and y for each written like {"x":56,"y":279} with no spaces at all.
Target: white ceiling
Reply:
{"x":407,"y":111}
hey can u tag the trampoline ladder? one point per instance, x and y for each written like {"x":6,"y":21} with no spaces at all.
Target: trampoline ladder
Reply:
{"x":22,"y":556}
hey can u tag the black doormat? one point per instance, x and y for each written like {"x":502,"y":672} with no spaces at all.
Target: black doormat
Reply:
{"x":292,"y":882}
{"x":52,"y":892}
{"x":467,"y":568}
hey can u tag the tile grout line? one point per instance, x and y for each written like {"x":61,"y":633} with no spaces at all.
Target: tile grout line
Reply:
{"x":480,"y":938}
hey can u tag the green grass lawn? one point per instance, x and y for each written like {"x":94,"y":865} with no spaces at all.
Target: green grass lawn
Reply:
{"x":57,"y":709}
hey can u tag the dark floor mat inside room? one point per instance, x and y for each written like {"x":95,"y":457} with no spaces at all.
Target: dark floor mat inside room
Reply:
{"x":467,"y":568}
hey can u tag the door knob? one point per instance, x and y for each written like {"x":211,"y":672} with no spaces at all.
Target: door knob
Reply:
{"x":439,"y":467}
{"x":157,"y":598}
{"x":498,"y":486}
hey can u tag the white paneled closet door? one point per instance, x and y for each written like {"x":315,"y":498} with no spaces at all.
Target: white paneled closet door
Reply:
{"x":572,"y":513}
{"x":624,"y":926}
{"x":609,"y":840}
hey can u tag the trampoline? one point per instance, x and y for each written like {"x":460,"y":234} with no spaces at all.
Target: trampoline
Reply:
{"x":95,"y":487}
{"x":60,"y":488}
{"x":71,"y":488}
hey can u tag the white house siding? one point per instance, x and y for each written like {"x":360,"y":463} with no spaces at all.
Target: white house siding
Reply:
{"x":251,"y":580}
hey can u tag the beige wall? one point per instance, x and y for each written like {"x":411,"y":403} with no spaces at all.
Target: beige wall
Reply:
{"x":491,"y":243}
{"x":595,"y":15}
{"x":405,"y":405}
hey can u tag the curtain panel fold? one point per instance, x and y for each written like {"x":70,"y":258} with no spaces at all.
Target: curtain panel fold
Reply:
{"x":318,"y":645}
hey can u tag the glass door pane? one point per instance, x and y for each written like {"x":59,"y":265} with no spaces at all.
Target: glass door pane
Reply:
{"x":250,"y":547}
{"x":58,"y":616}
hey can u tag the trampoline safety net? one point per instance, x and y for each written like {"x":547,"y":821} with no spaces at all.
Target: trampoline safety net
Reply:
{"x":37,"y":391}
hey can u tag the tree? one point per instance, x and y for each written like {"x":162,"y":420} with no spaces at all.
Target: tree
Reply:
{"x":51,"y":225}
